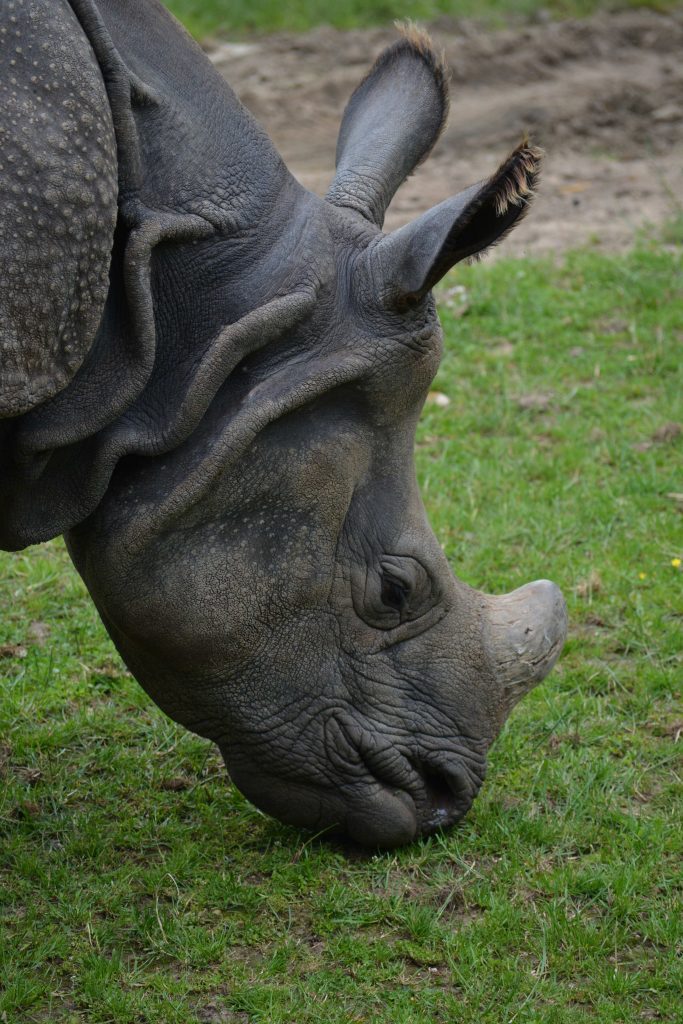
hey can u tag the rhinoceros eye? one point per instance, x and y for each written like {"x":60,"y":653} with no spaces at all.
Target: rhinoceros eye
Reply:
{"x":393,"y":592}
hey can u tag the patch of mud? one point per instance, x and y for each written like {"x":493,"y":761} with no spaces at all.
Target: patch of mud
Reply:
{"x":603,"y":96}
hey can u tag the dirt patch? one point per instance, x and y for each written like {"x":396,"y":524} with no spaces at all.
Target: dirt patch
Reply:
{"x":603,"y":96}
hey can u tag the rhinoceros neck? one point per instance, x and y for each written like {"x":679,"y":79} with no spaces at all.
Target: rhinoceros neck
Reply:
{"x":180,"y":319}
{"x":186,"y":144}
{"x":200,"y":187}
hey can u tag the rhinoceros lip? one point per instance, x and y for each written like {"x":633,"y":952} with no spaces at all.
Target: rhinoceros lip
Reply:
{"x":441,"y":787}
{"x":440,"y":797}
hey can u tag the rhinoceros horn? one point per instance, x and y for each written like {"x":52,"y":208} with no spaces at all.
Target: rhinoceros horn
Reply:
{"x":527,"y":630}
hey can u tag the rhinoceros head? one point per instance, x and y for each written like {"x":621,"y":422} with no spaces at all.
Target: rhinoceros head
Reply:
{"x":273,"y":580}
{"x":232,"y":459}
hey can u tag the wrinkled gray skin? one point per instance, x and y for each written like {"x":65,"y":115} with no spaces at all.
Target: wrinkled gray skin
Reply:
{"x":210,"y":384}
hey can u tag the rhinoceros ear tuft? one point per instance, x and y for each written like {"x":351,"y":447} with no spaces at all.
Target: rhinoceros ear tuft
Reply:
{"x":390,"y":124}
{"x":418,"y":255}
{"x":514,"y":183}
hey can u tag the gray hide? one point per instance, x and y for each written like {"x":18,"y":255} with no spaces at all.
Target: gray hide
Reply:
{"x":210,"y":384}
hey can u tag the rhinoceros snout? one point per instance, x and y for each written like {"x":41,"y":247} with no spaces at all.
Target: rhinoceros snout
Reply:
{"x":528,"y":628}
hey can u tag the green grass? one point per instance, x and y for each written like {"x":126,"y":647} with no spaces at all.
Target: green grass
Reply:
{"x":221,"y":17}
{"x":136,"y":885}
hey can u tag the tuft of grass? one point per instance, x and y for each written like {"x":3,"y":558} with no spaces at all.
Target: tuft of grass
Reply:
{"x":205,"y":18}
{"x":137,"y":885}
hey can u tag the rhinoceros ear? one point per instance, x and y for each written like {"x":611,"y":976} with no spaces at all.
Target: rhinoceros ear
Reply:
{"x":413,"y":258}
{"x":390,"y":125}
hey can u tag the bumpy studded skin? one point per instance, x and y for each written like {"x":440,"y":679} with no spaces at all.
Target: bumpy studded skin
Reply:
{"x":209,"y":383}
{"x":58,"y":188}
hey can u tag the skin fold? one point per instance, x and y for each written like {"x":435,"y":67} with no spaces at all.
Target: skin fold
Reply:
{"x":228,"y":445}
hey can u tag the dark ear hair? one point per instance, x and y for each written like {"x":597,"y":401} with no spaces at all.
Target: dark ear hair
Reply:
{"x":413,"y":258}
{"x":390,"y":125}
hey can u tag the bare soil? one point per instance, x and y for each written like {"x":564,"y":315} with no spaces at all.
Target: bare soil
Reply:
{"x":603,"y":96}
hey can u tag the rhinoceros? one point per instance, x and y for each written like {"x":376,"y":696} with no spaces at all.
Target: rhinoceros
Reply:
{"x":210,"y":385}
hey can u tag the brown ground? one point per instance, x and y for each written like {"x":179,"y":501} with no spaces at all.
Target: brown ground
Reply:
{"x":603,"y":96}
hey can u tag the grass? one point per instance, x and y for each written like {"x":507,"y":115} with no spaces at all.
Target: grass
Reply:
{"x":136,"y":885}
{"x":207,"y":18}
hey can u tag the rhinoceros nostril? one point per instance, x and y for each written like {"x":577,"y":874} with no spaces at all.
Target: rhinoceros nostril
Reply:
{"x":448,"y":794}
{"x":439,"y":793}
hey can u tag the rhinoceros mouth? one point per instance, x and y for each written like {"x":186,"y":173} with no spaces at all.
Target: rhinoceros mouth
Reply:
{"x":383,"y":797}
{"x":439,"y":785}
{"x":441,"y":789}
